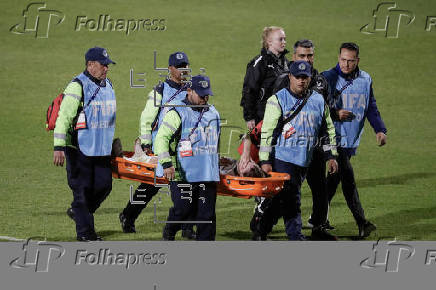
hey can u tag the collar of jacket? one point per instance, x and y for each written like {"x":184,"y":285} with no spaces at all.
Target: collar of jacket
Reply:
{"x":188,"y":103}
{"x":101,"y":83}
{"x":265,"y":51}
{"x":351,"y":76}
{"x":174,"y":85}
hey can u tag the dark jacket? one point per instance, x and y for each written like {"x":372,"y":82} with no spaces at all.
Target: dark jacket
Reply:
{"x":262,"y":72}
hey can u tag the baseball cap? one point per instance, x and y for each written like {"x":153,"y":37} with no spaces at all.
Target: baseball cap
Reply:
{"x":98,"y":54}
{"x":178,"y":58}
{"x":201,"y":85}
{"x":300,"y":68}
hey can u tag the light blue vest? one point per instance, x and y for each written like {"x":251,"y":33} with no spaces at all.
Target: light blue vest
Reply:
{"x":354,"y":98}
{"x":96,"y":139}
{"x":298,"y":148}
{"x":167,"y":93}
{"x":203,"y":165}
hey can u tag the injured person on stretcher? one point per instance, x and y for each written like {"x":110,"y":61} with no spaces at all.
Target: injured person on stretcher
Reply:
{"x":228,"y":166}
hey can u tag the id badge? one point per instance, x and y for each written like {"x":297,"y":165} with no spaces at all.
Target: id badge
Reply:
{"x":81,"y":121}
{"x":185,"y":148}
{"x":288,"y":130}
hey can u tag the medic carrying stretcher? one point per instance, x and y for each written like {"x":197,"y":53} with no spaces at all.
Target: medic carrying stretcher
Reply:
{"x":138,"y":166}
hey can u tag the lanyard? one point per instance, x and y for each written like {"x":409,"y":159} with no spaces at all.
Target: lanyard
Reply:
{"x":295,"y":106}
{"x":349,"y":83}
{"x":175,"y":94}
{"x":93,"y":96}
{"x":196,"y":124}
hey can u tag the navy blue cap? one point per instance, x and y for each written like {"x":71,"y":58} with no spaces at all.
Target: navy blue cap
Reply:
{"x":178,"y":58}
{"x":201,"y":85}
{"x":300,"y":68}
{"x":98,"y":54}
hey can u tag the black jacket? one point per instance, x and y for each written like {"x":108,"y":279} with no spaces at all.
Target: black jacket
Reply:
{"x":262,"y":72}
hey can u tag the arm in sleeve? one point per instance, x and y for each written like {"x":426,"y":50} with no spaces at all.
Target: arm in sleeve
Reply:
{"x":327,"y":134}
{"x":148,"y":116}
{"x":252,"y":88}
{"x":170,"y":124}
{"x":67,"y":113}
{"x":273,"y":112}
{"x":373,"y":115}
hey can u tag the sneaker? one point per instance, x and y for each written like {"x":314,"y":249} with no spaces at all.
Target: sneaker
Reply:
{"x":70,"y":213}
{"x":327,"y":226}
{"x":127,"y":225}
{"x":366,"y":229}
{"x":258,"y":237}
{"x":89,"y":238}
{"x":320,"y":233}
{"x":166,"y":235}
{"x":189,"y":234}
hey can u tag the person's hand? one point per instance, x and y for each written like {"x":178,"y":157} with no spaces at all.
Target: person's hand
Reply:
{"x":169,"y":173}
{"x":244,"y":160}
{"x":332,"y":166}
{"x":266,"y":167}
{"x":344,"y":114}
{"x":58,"y":158}
{"x":251,"y":124}
{"x":381,"y":138}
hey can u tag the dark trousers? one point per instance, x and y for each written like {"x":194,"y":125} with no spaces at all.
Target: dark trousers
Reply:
{"x":345,"y":175}
{"x":316,"y":178}
{"x":142,"y":196}
{"x":196,"y":200}
{"x":90,"y":179}
{"x":287,"y":203}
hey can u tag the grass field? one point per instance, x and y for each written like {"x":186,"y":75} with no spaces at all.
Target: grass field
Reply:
{"x":396,"y":183}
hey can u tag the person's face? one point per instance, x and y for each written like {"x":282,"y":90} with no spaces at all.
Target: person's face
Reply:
{"x":176,"y":74}
{"x":97,"y":70}
{"x":195,"y":99}
{"x":277,"y":41}
{"x":303,"y":53}
{"x":348,"y":60}
{"x":299,"y":84}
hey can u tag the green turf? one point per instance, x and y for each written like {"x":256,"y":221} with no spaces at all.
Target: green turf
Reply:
{"x":396,"y":183}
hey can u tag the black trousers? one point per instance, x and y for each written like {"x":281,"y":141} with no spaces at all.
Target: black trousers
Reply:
{"x":142,"y":196}
{"x":286,"y":204}
{"x":196,"y":200}
{"x":317,"y":181}
{"x":90,"y":179}
{"x":345,"y":175}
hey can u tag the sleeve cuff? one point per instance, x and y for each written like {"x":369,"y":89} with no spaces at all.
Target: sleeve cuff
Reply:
{"x":265,"y":162}
{"x":59,"y":148}
{"x":145,"y":146}
{"x":167,"y":165}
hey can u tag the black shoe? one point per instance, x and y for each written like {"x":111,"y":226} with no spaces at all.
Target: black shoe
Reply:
{"x":127,"y":225}
{"x":89,"y":238}
{"x":258,"y":237}
{"x":167,"y":236}
{"x":70,"y":213}
{"x":320,"y":233}
{"x":189,"y":234}
{"x":327,"y":226}
{"x":366,"y":229}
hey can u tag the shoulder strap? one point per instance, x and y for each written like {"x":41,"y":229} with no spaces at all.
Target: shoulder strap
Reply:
{"x":295,"y":113}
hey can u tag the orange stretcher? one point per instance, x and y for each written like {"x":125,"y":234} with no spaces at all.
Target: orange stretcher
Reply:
{"x":229,"y":185}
